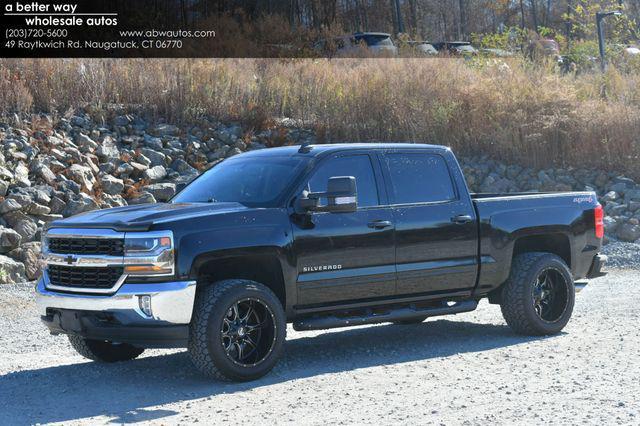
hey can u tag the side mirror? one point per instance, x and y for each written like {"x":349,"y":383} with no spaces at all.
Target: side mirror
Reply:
{"x":341,"y":197}
{"x":341,"y":194}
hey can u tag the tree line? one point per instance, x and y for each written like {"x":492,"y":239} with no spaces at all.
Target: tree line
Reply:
{"x":419,"y":19}
{"x":432,"y":19}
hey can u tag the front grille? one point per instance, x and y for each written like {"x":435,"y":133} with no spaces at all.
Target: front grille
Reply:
{"x":80,"y":277}
{"x":104,"y":246}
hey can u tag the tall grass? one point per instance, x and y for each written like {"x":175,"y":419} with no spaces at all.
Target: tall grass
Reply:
{"x":513,"y":110}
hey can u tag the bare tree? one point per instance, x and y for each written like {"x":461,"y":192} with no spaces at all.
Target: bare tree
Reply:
{"x":534,"y":13}
{"x":463,"y":19}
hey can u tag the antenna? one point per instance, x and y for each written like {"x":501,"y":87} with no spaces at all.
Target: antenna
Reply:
{"x":305,"y":147}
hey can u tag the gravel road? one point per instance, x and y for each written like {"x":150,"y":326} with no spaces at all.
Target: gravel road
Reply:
{"x":467,"y":369}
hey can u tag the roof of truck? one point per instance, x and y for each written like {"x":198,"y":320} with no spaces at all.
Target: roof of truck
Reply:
{"x":315,"y":150}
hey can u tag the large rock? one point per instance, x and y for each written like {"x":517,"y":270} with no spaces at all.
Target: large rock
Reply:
{"x":111,"y":185}
{"x":124,"y":169}
{"x":9,"y":205}
{"x":155,"y":174}
{"x":57,"y":205}
{"x":142,"y":198}
{"x":496,"y":184}
{"x":29,"y":255}
{"x":82,"y":175}
{"x":107,"y":150}
{"x":85,"y":142}
{"x":109,"y":201}
{"x":22,"y":224}
{"x":37,"y":209}
{"x":183,"y":167}
{"x":9,"y":239}
{"x":21,"y":175}
{"x":161,"y":191}
{"x":79,"y":203}
{"x":167,"y":130}
{"x":157,"y":158}
{"x":610,"y":225}
{"x":137,"y":168}
{"x":628,"y":232}
{"x":4,"y":187}
{"x":11,"y":272}
{"x":5,"y":174}
{"x":45,"y":173}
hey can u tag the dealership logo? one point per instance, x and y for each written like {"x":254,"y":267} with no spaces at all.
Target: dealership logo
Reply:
{"x":320,"y":268}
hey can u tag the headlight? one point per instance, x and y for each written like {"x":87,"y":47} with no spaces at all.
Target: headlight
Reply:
{"x":149,"y":253}
{"x":136,"y":245}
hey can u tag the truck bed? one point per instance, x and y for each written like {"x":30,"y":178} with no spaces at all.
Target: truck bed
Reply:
{"x":567,"y":219}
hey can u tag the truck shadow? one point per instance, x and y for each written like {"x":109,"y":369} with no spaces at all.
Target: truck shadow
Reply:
{"x":125,"y":392}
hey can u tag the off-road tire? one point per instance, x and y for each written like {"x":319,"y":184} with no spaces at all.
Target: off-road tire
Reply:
{"x":103,"y":351}
{"x":211,"y":306}
{"x":517,"y":303}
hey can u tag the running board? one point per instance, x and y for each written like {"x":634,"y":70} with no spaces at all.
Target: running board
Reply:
{"x":398,"y":314}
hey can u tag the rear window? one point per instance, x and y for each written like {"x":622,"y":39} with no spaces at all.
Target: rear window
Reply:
{"x":419,"y":178}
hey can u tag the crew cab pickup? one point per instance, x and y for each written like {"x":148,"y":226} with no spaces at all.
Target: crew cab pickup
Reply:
{"x":319,"y":236}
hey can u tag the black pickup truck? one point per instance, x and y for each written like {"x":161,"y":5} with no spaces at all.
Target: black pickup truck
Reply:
{"x":319,"y":236}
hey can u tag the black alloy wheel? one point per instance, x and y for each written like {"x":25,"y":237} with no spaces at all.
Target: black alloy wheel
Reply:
{"x":237,"y":331}
{"x":549,"y":294}
{"x":248,"y":332}
{"x":538,"y":297}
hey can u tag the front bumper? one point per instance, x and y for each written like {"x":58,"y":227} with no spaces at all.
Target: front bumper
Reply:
{"x":118,"y":317}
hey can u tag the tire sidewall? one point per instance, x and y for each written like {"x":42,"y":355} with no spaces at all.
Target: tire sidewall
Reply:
{"x":554,"y":263}
{"x":214,"y":326}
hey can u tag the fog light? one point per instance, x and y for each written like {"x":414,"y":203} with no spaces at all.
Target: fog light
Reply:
{"x":145,"y":305}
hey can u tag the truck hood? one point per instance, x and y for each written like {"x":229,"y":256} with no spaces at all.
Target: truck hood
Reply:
{"x":141,"y":217}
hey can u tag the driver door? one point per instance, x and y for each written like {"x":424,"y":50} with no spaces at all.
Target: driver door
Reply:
{"x":346,"y":256}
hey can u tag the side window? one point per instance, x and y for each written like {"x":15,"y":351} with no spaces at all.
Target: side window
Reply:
{"x":358,"y":166}
{"x":419,"y":178}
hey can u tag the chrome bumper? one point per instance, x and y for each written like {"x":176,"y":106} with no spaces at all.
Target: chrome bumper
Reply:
{"x":171,"y":302}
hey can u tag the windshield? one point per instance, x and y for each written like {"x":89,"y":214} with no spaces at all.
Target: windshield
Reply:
{"x":252,"y":181}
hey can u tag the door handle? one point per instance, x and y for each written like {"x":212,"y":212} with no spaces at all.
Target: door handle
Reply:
{"x":461,"y":219}
{"x":379,"y":224}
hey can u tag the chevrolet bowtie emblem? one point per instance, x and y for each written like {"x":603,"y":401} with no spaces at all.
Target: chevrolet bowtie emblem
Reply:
{"x":70,"y":260}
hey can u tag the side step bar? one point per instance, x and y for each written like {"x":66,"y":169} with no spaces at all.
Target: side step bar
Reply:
{"x":397,"y":314}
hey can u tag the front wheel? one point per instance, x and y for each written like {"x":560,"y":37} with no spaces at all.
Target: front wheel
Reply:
{"x":237,"y":331}
{"x":539,"y":295}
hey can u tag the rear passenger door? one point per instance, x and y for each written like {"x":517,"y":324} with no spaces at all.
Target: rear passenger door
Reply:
{"x":436,"y":232}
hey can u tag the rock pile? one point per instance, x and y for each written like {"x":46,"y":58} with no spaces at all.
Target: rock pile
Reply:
{"x":50,"y":170}
{"x":53,"y":170}
{"x":619,"y":195}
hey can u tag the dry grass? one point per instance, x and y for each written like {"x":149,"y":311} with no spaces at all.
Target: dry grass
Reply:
{"x":516,"y":111}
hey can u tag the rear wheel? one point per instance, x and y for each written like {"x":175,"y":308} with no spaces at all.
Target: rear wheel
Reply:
{"x":103,"y":351}
{"x":238,"y":330}
{"x":539,"y":295}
